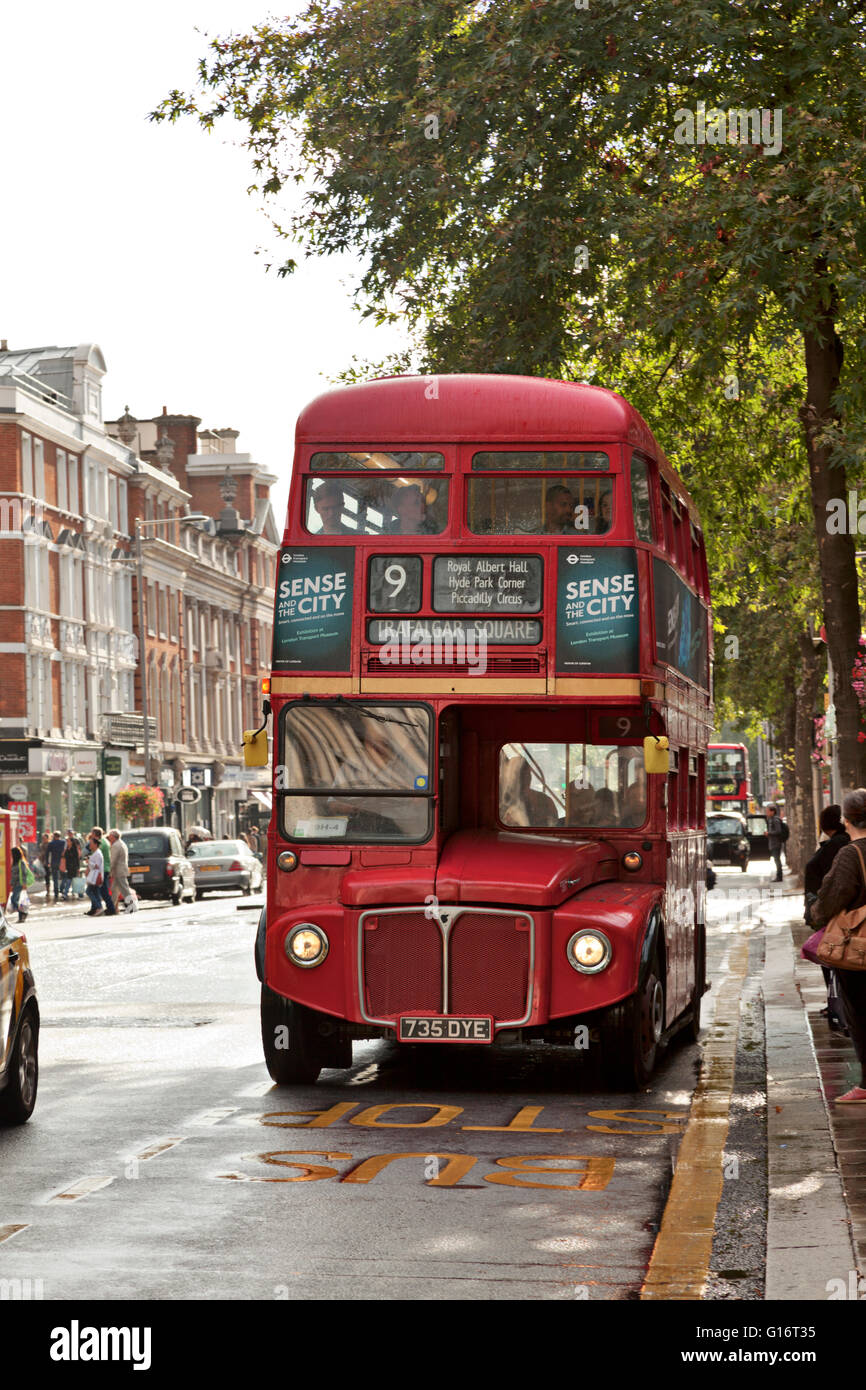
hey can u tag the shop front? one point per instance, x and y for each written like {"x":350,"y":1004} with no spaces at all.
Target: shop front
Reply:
{"x":51,"y":787}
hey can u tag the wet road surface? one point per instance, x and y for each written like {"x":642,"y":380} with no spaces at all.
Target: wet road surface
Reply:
{"x":162,"y":1163}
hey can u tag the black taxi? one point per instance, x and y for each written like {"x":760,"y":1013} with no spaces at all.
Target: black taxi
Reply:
{"x":19,"y":1027}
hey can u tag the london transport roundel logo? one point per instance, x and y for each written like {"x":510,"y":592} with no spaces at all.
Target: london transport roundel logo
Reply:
{"x":572,"y":559}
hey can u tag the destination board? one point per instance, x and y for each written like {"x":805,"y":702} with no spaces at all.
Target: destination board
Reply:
{"x":487,"y":583}
{"x":505,"y":632}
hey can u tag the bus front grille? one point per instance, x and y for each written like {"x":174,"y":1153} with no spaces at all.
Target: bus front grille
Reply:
{"x":489,"y":963}
{"x":402,"y":964}
{"x":489,"y":958}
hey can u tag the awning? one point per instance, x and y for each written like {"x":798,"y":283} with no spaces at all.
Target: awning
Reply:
{"x":264,"y":797}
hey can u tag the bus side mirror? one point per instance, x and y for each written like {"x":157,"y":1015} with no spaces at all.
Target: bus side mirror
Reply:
{"x":656,"y":757}
{"x":255,"y":747}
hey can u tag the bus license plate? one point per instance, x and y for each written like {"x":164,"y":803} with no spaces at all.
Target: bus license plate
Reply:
{"x":465,"y":1030}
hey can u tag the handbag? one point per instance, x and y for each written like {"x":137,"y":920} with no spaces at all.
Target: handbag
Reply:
{"x":843,"y":945}
{"x":809,"y":949}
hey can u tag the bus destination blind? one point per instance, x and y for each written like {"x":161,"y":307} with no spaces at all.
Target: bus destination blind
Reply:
{"x":487,"y":583}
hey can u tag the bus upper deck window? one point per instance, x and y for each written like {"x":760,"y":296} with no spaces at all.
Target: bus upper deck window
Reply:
{"x":641,"y":501}
{"x":540,"y":506}
{"x":377,"y":506}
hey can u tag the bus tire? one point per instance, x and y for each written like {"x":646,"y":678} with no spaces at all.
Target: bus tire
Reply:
{"x":293,"y":1054}
{"x":692,"y":1030}
{"x":632,"y":1030}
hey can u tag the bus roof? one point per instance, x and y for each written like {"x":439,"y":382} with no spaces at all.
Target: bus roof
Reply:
{"x":487,"y":408}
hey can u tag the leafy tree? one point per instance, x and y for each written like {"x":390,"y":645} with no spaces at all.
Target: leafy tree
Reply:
{"x":508,"y":166}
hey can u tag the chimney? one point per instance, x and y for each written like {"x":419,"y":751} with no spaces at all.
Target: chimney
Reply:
{"x":4,"y":345}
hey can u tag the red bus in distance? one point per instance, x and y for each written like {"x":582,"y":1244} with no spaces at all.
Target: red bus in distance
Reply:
{"x":490,"y":710}
{"x":729,"y":786}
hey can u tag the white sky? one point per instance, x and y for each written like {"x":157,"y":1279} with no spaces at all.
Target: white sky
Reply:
{"x":142,"y":237}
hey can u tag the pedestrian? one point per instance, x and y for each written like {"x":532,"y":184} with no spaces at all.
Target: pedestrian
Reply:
{"x":253,"y":840}
{"x":95,"y":876}
{"x":22,"y":877}
{"x":53,"y":856}
{"x":844,"y":888}
{"x":833,"y":837}
{"x":120,"y":885}
{"x":775,"y":834}
{"x":105,"y":887}
{"x":70,"y":864}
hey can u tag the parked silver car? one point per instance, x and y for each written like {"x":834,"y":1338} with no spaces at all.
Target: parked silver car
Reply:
{"x":225,"y":864}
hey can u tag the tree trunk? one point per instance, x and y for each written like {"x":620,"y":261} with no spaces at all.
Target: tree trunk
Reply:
{"x":801,"y":810}
{"x":836,"y":553}
{"x":787,"y":737}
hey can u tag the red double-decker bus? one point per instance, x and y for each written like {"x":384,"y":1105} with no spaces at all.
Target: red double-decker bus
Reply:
{"x":729,"y":786}
{"x":490,"y":703}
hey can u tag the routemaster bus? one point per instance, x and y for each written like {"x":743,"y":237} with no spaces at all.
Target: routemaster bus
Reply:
{"x":729,"y":786}
{"x":489,"y":708}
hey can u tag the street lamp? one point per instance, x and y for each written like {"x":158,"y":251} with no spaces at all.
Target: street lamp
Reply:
{"x":139,"y":575}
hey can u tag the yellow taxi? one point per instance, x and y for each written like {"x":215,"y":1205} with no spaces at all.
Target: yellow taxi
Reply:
{"x":19,"y":1027}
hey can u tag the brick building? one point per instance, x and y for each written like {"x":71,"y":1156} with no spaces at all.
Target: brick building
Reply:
{"x":208,"y":609}
{"x":66,"y":609}
{"x":71,"y":698}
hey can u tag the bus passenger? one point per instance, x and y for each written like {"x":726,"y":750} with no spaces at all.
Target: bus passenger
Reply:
{"x":559,"y":507}
{"x":605,"y":807}
{"x":328,"y":501}
{"x":601,"y":524}
{"x":411,"y":513}
{"x":581,"y":805}
{"x":634,"y":803}
{"x":520,"y":802}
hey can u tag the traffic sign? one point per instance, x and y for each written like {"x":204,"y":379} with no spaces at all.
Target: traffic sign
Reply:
{"x":189,"y":795}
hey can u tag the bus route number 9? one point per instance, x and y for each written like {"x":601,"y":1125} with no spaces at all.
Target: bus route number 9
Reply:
{"x":394,"y":584}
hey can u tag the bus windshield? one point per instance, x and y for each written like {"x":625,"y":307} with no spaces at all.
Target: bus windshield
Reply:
{"x":381,"y":505}
{"x":539,"y":506}
{"x":356,"y":772}
{"x":571,"y":784}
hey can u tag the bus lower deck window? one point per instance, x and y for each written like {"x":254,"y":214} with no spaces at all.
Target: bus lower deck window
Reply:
{"x":543,"y":785}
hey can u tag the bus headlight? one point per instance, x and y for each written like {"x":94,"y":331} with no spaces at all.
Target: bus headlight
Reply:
{"x":306,"y":945}
{"x":588,"y":951}
{"x":632,"y":861}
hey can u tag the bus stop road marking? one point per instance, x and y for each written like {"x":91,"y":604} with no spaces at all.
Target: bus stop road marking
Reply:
{"x":82,"y":1188}
{"x":680,"y":1260}
{"x":7,"y":1232}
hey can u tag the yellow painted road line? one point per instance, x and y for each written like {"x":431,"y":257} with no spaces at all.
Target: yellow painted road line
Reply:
{"x":82,"y":1188}
{"x":158,"y":1146}
{"x":680,"y":1260}
{"x":7,"y":1232}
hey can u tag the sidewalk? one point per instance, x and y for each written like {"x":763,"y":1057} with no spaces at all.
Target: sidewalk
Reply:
{"x":816,"y":1230}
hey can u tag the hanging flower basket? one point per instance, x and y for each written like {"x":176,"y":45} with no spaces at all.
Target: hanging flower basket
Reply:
{"x":140,"y":805}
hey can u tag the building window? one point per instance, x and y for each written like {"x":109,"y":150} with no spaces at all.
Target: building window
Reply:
{"x":112,"y":502}
{"x":172,"y":615}
{"x":26,"y":464}
{"x":73,"y":485}
{"x":39,"y":468}
{"x":150,"y":609}
{"x":162,"y":593}
{"x":62,"y":500}
{"x":122,"y":512}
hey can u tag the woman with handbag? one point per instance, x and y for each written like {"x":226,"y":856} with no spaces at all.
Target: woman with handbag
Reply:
{"x":833,"y":837}
{"x":843,"y":946}
{"x":22,"y":877}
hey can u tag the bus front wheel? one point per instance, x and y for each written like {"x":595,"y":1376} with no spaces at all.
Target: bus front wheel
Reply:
{"x":293,"y":1052}
{"x":632,"y":1031}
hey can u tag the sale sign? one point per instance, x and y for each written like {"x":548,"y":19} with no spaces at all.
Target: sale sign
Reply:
{"x":26,"y":820}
